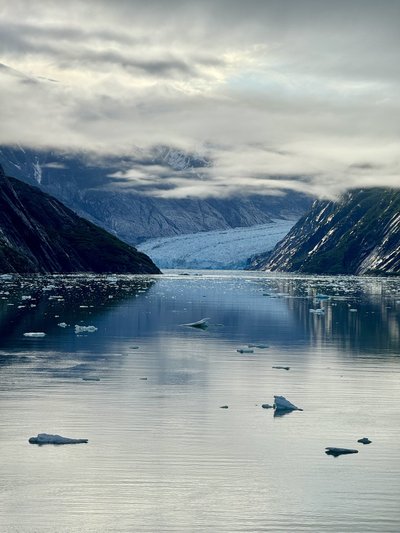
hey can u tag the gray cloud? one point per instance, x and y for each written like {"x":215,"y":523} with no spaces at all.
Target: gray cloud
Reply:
{"x":306,"y":93}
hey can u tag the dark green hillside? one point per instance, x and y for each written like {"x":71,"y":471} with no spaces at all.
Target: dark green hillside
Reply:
{"x":359,"y":234}
{"x":39,"y":234}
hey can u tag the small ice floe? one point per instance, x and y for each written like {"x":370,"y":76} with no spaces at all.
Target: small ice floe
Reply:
{"x":6,"y":277}
{"x":281,"y":367}
{"x":267,"y":406}
{"x":245,"y":350}
{"x":62,"y":325}
{"x":364,"y":440}
{"x":200,"y":324}
{"x":317,"y":311}
{"x":259,"y":346}
{"x":44,"y":438}
{"x":85,"y":329}
{"x":353,"y":310}
{"x":339,"y":451}
{"x":49,"y":288}
{"x":34,"y":334}
{"x":282,"y":404}
{"x":224,"y":407}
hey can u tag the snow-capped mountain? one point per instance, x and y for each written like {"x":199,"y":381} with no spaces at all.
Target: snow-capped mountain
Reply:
{"x":227,"y":249}
{"x":83,"y":182}
{"x":359,"y":234}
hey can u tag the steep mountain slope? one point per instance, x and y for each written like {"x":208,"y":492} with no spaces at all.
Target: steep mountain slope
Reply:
{"x":359,"y":234}
{"x":40,"y":234}
{"x":84,"y":183}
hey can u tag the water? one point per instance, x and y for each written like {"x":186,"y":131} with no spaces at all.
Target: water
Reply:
{"x":162,"y":454}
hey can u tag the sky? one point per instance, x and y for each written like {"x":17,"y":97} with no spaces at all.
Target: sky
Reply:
{"x":303,"y":93}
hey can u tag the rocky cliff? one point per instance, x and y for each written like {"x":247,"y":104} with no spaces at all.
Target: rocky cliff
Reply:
{"x":358,"y":234}
{"x":39,"y":234}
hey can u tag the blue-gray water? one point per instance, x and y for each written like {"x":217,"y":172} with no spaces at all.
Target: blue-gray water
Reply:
{"x":162,"y":455}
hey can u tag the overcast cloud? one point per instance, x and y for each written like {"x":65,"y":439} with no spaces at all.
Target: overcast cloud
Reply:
{"x":303,"y":93}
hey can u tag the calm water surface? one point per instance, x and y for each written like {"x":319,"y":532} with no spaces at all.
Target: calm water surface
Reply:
{"x":162,"y":454}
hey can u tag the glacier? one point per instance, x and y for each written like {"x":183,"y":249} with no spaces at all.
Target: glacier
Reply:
{"x":218,"y":249}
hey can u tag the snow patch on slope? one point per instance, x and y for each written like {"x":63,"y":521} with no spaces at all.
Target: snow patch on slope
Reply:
{"x":220,"y":249}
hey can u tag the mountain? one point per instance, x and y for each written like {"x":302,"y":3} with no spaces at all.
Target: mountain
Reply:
{"x":38,"y":234}
{"x":359,"y":234}
{"x":87,"y":184}
{"x":219,"y":249}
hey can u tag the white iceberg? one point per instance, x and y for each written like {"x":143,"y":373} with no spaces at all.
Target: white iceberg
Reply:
{"x":62,"y":324}
{"x":201,"y":324}
{"x":34,"y":334}
{"x":44,"y":438}
{"x":282,"y":404}
{"x":85,"y":329}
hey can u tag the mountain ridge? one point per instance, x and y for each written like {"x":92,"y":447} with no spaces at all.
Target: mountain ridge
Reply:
{"x":85,"y":184}
{"x":38,"y":234}
{"x":358,"y":234}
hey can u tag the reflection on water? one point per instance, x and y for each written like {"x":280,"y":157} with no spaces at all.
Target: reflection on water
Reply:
{"x":146,"y":391}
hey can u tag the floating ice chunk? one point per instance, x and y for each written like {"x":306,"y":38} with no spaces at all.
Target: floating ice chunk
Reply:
{"x":34,"y":334}
{"x":245,"y":350}
{"x":260,"y":346}
{"x":86,"y":329}
{"x":317,"y":311}
{"x":282,"y":367}
{"x":339,"y":451}
{"x":282,"y":404}
{"x":44,"y":438}
{"x":62,"y":324}
{"x":6,"y":277}
{"x":200,"y":324}
{"x":353,"y":310}
{"x":365,"y":440}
